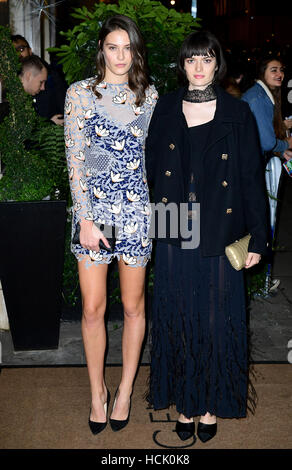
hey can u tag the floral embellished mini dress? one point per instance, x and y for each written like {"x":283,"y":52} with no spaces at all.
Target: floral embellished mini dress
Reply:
{"x":105,"y":141}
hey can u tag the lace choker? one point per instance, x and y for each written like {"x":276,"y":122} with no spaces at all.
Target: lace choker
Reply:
{"x":200,"y":96}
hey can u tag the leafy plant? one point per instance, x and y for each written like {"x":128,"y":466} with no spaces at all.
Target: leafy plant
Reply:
{"x":31,"y":148}
{"x":71,"y":292}
{"x":48,"y":140}
{"x":256,"y":281}
{"x":163,"y":29}
{"x":33,"y":153}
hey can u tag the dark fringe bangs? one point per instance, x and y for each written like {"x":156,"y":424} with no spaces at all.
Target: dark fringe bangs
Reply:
{"x":197,"y":50}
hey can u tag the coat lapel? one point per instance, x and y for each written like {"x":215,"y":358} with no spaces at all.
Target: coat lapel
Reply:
{"x":177,"y":115}
{"x":222,"y":125}
{"x":218,"y":131}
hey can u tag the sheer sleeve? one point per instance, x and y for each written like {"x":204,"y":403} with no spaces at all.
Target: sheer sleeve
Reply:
{"x":152,"y":100}
{"x":76,"y":104}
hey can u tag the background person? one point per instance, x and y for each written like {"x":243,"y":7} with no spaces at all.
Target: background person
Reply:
{"x":49,"y":102}
{"x":264,"y":99}
{"x":33,"y":75}
{"x":234,"y":79}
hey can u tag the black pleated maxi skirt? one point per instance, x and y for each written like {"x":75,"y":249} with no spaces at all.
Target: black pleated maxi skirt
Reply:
{"x":199,"y":359}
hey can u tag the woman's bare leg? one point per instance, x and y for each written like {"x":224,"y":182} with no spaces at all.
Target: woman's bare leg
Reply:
{"x":132,"y":282}
{"x":93,"y":289}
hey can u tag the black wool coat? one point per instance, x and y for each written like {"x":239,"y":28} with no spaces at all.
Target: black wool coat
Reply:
{"x":233,"y":198}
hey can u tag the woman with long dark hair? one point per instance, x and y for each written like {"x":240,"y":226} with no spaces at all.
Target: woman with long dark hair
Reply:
{"x":202,"y":147}
{"x":106,"y":122}
{"x":264,"y":99}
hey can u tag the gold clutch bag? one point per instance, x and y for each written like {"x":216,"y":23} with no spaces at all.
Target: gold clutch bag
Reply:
{"x":237,"y":252}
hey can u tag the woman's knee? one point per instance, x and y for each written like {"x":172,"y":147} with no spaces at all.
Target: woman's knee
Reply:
{"x":134,"y":309}
{"x":93,"y":312}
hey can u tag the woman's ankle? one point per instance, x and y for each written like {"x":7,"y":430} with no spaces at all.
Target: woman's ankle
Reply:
{"x":208,"y":419}
{"x":182,"y":419}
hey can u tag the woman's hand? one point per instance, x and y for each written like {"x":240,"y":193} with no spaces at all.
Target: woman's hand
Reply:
{"x":287,"y":154}
{"x":90,"y":236}
{"x":288,"y":123}
{"x":58,"y":119}
{"x":252,"y":259}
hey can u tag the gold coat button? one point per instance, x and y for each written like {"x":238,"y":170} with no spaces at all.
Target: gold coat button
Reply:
{"x":164,"y":199}
{"x":171,"y":146}
{"x":224,"y":183}
{"x":229,"y":211}
{"x":168,"y":173}
{"x":224,"y":156}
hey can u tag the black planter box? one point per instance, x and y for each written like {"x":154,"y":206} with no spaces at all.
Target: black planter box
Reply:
{"x":31,"y":266}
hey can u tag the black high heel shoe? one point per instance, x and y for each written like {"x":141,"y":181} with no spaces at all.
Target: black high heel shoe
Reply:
{"x":118,"y":424}
{"x":185,"y":430}
{"x":95,"y":426}
{"x":206,"y":431}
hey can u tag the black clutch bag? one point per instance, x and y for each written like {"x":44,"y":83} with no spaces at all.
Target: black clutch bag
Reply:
{"x":107,"y":230}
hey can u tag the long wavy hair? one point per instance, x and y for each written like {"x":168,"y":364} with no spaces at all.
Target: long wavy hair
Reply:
{"x":279,"y":127}
{"x":138,"y":74}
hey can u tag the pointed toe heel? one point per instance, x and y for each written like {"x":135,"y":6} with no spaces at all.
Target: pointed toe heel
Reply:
{"x":119,"y":424}
{"x":95,"y":426}
{"x":185,"y":430}
{"x":206,"y":431}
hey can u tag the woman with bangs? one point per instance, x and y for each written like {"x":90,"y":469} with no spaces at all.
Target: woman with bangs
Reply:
{"x":106,"y":123}
{"x":203,"y":152}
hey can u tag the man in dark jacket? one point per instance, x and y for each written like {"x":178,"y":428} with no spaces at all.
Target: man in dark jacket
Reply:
{"x":49,"y":102}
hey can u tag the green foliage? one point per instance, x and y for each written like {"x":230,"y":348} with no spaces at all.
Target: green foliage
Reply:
{"x":31,"y":148}
{"x":256,"y":280}
{"x":163,"y":30}
{"x":71,"y":291}
{"x":33,"y":152}
{"x":48,"y":139}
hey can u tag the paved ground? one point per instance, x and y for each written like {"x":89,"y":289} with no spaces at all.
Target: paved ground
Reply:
{"x":270,"y":318}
